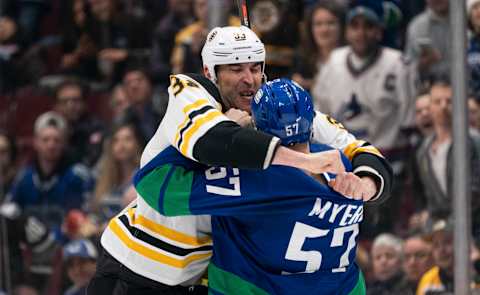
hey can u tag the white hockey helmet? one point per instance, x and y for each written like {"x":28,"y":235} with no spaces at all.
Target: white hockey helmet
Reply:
{"x":231,"y":45}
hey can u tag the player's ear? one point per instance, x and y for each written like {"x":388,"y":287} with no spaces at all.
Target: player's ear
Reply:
{"x":206,"y":72}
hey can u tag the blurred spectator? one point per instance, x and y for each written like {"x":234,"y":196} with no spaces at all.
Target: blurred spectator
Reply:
{"x":85,"y":132}
{"x":30,"y":15}
{"x":439,"y":279}
{"x":428,"y":41}
{"x":423,"y":128}
{"x":378,"y":112}
{"x":386,"y":259}
{"x":79,"y":49}
{"x":474,"y":115}
{"x":79,"y":258}
{"x":276,"y":23}
{"x":129,"y":196}
{"x":25,"y":290}
{"x":186,"y":57}
{"x":473,"y":56}
{"x":119,"y":101}
{"x":393,"y":17}
{"x":417,"y":260}
{"x":9,"y":48}
{"x":147,"y":104}
{"x":423,"y":117}
{"x":8,"y":169}
{"x":8,"y":155}
{"x":179,"y":16}
{"x":324,"y":32}
{"x":48,"y":187}
{"x":435,"y":159}
{"x":115,"y":35}
{"x":119,"y":161}
{"x":363,"y":260}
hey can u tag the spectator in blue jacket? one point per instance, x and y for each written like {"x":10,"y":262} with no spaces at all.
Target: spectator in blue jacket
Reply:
{"x":48,"y":187}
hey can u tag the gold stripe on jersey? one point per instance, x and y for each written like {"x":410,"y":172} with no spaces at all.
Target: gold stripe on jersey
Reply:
{"x":360,"y":146}
{"x":200,"y":121}
{"x":186,"y":110}
{"x":150,"y":253}
{"x":166,"y":232}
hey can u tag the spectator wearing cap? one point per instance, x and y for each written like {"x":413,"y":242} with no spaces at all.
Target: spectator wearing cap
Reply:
{"x":80,"y":260}
{"x":48,"y":187}
{"x":386,"y":256}
{"x":378,"y":112}
{"x":85,"y":132}
{"x":428,"y":41}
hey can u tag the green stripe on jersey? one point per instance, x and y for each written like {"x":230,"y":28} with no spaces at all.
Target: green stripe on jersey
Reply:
{"x":228,"y":283}
{"x":360,"y":288}
{"x":177,"y":194}
{"x":150,"y":185}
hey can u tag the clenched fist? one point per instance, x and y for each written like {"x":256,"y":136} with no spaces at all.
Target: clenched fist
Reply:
{"x":240,"y":117}
{"x":354,"y":187}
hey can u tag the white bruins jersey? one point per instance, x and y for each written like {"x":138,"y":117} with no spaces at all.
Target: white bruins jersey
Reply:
{"x":170,"y":250}
{"x":176,"y":250}
{"x":373,"y":103}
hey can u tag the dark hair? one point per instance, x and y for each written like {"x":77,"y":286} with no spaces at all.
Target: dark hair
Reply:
{"x":72,"y":82}
{"x":442,"y":79}
{"x":133,"y":66}
{"x":310,"y":53}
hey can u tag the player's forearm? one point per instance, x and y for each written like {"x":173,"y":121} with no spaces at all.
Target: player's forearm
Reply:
{"x":288,"y":157}
{"x":316,"y":163}
{"x":228,"y":144}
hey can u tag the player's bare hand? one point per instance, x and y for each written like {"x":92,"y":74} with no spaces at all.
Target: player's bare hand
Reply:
{"x":327,"y":161}
{"x":354,"y":187}
{"x":240,"y":117}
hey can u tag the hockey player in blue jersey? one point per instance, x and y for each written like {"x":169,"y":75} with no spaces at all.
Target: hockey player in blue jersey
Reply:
{"x":280,"y":231}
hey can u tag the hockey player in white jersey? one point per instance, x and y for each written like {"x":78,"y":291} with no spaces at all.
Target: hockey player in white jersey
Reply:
{"x":145,"y":251}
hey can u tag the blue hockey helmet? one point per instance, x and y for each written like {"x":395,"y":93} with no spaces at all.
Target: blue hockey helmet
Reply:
{"x":283,"y":108}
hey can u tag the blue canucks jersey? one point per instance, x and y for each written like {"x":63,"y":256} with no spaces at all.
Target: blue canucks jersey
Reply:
{"x":279,"y":231}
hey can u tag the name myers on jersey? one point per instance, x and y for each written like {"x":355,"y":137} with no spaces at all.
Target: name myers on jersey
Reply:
{"x":335,"y":213}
